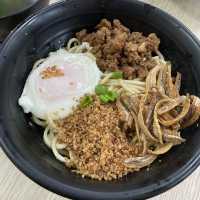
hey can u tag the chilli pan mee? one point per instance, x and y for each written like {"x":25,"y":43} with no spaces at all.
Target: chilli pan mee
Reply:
{"x":108,"y":102}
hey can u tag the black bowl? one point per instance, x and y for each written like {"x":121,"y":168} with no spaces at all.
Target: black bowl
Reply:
{"x":49,"y":30}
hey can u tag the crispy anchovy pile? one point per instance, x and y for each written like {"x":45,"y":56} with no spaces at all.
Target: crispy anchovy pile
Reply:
{"x":157,"y":117}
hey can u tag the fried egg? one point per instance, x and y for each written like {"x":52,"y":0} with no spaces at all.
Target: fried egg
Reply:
{"x":55,"y":86}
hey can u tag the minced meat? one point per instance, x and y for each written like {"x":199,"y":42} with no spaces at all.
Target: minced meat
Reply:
{"x":117,"y":48}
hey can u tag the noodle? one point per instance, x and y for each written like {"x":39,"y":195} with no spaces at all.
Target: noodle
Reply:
{"x":39,"y":121}
{"x":72,"y":42}
{"x":56,"y":153}
{"x":47,"y":136}
{"x":134,"y":87}
{"x":160,"y":55}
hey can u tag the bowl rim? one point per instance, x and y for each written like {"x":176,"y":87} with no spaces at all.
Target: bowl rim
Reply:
{"x":78,"y":193}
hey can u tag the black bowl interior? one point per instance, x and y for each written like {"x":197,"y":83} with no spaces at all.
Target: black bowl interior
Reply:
{"x":48,"y":31}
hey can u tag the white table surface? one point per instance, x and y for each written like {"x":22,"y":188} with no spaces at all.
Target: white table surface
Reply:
{"x":16,"y":186}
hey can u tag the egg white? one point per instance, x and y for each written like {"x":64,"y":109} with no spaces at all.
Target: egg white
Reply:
{"x":57,"y":96}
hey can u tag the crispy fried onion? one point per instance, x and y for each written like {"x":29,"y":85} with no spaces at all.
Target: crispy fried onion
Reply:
{"x":127,"y":111}
{"x":140,"y":161}
{"x":169,"y":104}
{"x":194,"y":112}
{"x":161,"y":149}
{"x":185,"y":109}
{"x":159,"y":114}
{"x":172,"y":136}
{"x":142,"y":125}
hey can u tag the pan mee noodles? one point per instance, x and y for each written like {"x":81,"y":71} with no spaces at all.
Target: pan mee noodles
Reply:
{"x":108,"y":102}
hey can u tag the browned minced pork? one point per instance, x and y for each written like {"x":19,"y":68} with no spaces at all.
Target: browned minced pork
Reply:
{"x":117,"y":48}
{"x":98,"y":145}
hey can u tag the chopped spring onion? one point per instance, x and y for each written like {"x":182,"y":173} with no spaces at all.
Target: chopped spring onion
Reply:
{"x":105,"y":95}
{"x":117,"y":75}
{"x":101,"y":89}
{"x":86,"y":101}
